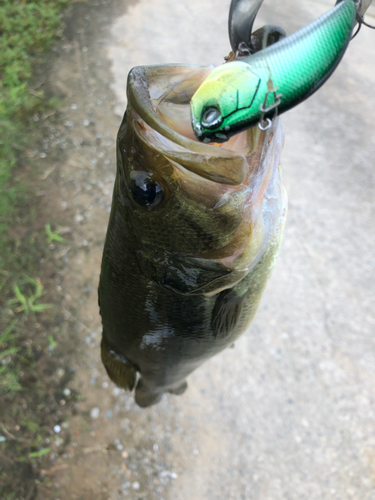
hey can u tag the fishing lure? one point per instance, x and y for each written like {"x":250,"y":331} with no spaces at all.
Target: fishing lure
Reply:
{"x":253,"y":89}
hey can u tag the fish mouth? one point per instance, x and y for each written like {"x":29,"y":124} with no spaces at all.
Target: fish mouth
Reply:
{"x":159,"y":124}
{"x":161,"y":96}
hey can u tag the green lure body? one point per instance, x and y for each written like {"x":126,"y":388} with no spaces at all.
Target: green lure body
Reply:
{"x":238,"y":94}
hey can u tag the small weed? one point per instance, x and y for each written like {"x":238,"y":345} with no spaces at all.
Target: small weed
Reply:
{"x":53,"y":235}
{"x":39,"y":453}
{"x":6,"y":336}
{"x":27,"y":303}
{"x":31,"y":426}
{"x":51,"y":343}
{"x":9,"y":380}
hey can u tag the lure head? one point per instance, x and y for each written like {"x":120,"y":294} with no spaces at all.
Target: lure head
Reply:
{"x":222,"y":106}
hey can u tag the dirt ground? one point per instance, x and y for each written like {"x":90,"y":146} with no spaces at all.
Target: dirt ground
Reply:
{"x":289,"y":412}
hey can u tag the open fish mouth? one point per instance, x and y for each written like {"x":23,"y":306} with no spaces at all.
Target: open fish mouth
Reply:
{"x":213,"y":219}
{"x":161,"y":95}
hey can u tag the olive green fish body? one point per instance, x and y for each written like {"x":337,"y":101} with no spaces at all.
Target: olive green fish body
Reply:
{"x":286,"y":73}
{"x":163,"y":335}
{"x":192,"y":239}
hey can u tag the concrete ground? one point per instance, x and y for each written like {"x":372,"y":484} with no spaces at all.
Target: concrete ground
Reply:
{"x":289,"y":413}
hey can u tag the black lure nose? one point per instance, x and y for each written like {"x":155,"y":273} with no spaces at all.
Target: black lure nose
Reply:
{"x":211,"y":118}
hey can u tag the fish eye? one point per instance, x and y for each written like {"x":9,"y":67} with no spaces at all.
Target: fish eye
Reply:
{"x":211,"y":118}
{"x":145,"y":191}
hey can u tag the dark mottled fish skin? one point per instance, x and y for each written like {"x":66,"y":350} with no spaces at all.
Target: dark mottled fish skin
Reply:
{"x":182,"y":281}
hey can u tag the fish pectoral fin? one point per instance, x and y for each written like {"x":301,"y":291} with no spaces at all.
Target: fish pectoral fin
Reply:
{"x":226,"y":313}
{"x":122,"y":373}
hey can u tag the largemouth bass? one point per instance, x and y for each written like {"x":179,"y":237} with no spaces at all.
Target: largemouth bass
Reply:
{"x":193,"y":236}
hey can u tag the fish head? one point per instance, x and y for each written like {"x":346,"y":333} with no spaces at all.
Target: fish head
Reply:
{"x":222,"y":105}
{"x":192,"y":212}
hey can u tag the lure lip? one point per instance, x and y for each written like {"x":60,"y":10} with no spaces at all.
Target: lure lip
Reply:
{"x":364,"y":5}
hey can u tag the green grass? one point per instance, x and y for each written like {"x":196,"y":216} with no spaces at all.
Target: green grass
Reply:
{"x":27,"y":31}
{"x":53,"y":235}
{"x":28,"y":302}
{"x":30,"y":393}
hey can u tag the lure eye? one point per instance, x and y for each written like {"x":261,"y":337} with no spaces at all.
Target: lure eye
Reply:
{"x":145,"y":190}
{"x":211,"y":118}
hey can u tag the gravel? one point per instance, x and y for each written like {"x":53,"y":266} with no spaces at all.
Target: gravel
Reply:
{"x":95,"y":412}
